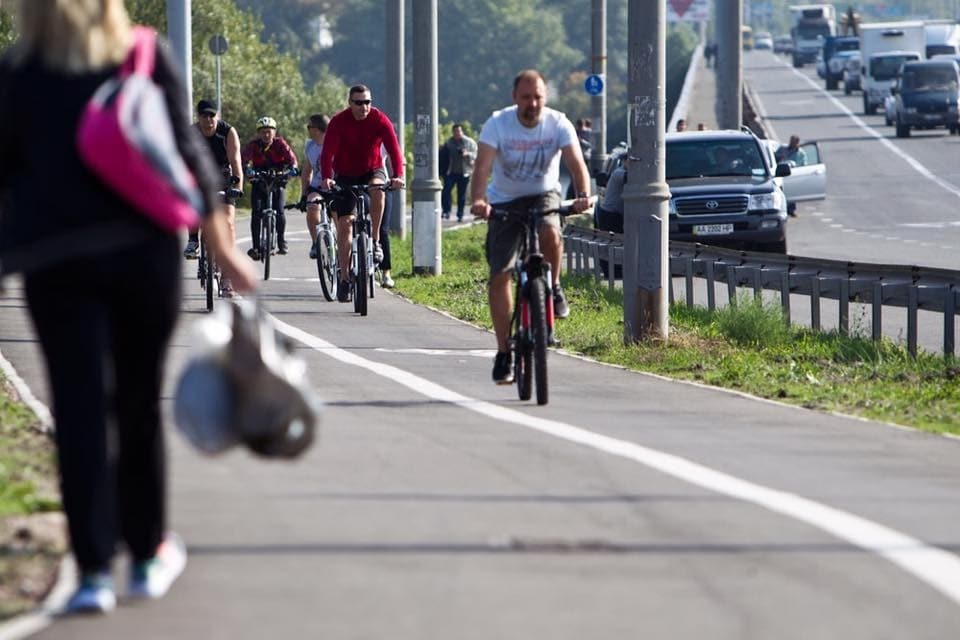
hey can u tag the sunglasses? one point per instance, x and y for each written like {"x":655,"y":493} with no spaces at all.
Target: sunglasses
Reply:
{"x":361,"y":103}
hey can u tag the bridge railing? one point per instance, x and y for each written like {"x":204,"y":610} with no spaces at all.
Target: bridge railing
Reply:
{"x":877,"y":285}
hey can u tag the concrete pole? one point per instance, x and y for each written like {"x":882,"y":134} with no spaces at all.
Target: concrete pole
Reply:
{"x":427,"y":257}
{"x":645,"y":194}
{"x":730,"y":68}
{"x":599,"y":103}
{"x":179,"y":30}
{"x":394,"y":102}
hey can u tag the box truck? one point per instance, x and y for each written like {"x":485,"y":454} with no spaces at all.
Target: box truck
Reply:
{"x":810,"y":25}
{"x":884,"y":46}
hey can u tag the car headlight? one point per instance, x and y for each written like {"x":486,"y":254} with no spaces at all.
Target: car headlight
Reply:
{"x":672,"y":207}
{"x":910,"y":109}
{"x":765,"y":201}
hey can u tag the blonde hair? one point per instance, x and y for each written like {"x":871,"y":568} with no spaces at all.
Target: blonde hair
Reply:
{"x":73,"y":35}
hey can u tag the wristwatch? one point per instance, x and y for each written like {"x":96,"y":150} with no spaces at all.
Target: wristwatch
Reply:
{"x":582,"y":194}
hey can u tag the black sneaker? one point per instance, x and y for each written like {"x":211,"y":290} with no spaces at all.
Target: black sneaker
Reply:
{"x":503,"y":368}
{"x":343,"y":291}
{"x":282,"y":247}
{"x":254,"y":254}
{"x":560,"y":307}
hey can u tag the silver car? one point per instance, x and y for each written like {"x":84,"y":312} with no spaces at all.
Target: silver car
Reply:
{"x":851,"y":72}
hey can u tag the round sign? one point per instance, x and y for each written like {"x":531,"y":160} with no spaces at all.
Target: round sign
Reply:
{"x":218,"y":45}
{"x":593,"y":84}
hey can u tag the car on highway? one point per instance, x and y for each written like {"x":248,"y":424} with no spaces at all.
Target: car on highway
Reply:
{"x":851,"y":73}
{"x":837,"y":65}
{"x":763,"y":40}
{"x":890,"y":106}
{"x":783,"y":44}
{"x":926,"y":95}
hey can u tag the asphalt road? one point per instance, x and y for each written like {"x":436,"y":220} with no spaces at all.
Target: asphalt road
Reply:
{"x":437,"y":505}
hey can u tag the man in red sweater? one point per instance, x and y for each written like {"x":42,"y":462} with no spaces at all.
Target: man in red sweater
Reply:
{"x":351,"y":154}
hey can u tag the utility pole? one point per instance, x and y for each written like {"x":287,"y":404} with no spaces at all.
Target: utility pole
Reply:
{"x":427,"y":257}
{"x":179,"y":34}
{"x":394,"y":64}
{"x":645,"y":195}
{"x":599,"y":102}
{"x":729,"y":64}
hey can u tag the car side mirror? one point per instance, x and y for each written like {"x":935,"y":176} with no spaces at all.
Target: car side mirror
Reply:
{"x":783,"y":170}
{"x":893,"y":90}
{"x":601,"y":178}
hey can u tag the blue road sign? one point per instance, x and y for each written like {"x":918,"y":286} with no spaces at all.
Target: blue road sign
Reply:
{"x":593,"y":84}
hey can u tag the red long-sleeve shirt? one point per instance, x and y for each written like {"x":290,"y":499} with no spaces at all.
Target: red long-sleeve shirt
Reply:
{"x":277,"y":155}
{"x":351,"y":147}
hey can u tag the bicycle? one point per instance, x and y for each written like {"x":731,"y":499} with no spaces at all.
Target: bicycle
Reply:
{"x":328,"y":269}
{"x":532,"y":323}
{"x":207,"y":271}
{"x":271,"y":179}
{"x":362,"y":264}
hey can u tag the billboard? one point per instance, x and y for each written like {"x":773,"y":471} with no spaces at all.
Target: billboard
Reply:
{"x":688,"y":10}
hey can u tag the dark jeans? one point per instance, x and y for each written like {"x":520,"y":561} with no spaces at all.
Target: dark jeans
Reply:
{"x":258,"y":198}
{"x":449,"y":181}
{"x":104,"y":324}
{"x":384,"y":240}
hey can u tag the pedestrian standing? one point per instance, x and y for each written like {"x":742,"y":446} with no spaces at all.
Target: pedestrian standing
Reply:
{"x":462,"y":152}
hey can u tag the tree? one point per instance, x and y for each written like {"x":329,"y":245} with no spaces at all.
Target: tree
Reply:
{"x":7,"y":32}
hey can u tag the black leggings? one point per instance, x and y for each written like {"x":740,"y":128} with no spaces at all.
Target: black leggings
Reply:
{"x":104,"y":324}
{"x":259,"y":203}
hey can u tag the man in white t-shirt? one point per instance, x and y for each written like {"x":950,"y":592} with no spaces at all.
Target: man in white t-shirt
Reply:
{"x":521,"y":147}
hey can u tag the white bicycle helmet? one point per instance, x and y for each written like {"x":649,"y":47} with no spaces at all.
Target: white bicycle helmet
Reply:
{"x":245,"y":386}
{"x":266,"y":122}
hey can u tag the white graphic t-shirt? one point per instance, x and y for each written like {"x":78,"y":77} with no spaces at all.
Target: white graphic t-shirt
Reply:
{"x":528,"y":159}
{"x":313,"y":150}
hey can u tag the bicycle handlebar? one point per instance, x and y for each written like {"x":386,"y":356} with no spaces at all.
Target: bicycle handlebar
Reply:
{"x":360,"y":188}
{"x":565,"y":209}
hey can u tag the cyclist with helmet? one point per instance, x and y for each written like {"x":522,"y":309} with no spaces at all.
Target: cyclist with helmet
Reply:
{"x":224,"y":143}
{"x":351,"y":155}
{"x":267,"y":151}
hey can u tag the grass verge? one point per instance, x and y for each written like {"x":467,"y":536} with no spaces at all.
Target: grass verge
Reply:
{"x":746,"y":347}
{"x":32,"y":532}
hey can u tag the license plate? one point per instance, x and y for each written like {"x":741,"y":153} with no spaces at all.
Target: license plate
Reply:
{"x":712,"y":229}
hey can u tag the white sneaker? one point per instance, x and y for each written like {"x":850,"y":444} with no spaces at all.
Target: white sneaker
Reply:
{"x":386,"y":281}
{"x":94,"y":595}
{"x":152,"y":578}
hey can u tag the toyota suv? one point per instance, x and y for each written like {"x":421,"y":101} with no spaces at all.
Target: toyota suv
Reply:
{"x":742,"y":204}
{"x":726,"y":190}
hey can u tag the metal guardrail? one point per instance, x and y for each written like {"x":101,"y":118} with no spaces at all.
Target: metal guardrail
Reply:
{"x":910,"y":287}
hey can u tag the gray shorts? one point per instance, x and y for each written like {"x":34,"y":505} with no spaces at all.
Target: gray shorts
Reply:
{"x":504,"y":236}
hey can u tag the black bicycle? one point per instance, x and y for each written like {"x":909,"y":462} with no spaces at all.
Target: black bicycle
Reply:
{"x":362,"y":264}
{"x":533,"y":320}
{"x":271,"y":179}
{"x":207,"y":271}
{"x":328,"y":269}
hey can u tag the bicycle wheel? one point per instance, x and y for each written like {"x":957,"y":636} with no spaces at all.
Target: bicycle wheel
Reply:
{"x":207,"y":269}
{"x":266,"y":244}
{"x":522,"y":353}
{"x":538,"y":334}
{"x":327,"y":263}
{"x":360,"y":285}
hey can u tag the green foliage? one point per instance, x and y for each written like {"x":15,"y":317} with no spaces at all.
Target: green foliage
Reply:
{"x":753,"y":322}
{"x":27,"y":467}
{"x":7,"y":31}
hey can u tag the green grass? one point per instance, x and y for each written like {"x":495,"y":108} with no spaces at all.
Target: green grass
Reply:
{"x":27,"y":461}
{"x":747,"y":346}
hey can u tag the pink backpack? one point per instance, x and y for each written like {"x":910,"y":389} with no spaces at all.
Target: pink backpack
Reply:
{"x":125,"y":137}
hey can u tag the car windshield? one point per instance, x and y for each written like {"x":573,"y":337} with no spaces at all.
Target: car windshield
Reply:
{"x":886,"y":67}
{"x":848,"y":45}
{"x":929,"y":79}
{"x":705,"y":158}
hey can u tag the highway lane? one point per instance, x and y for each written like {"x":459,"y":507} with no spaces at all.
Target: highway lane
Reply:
{"x":889,"y":200}
{"x":438,"y":505}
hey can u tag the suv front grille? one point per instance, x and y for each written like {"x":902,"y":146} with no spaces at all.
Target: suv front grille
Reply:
{"x":711,"y":205}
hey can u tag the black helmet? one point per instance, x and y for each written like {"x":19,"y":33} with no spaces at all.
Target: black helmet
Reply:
{"x":246,"y":386}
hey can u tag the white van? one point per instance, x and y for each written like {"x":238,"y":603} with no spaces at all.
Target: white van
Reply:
{"x":884,"y":46}
{"x":942,"y":37}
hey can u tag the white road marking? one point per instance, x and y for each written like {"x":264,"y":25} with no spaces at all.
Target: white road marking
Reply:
{"x":936,"y":567}
{"x":477,"y":353}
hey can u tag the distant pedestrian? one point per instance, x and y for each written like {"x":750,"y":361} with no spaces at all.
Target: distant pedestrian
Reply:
{"x":584,"y":129}
{"x":708,"y":53}
{"x":702,"y":126}
{"x":681,"y":125}
{"x":463,"y":153}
